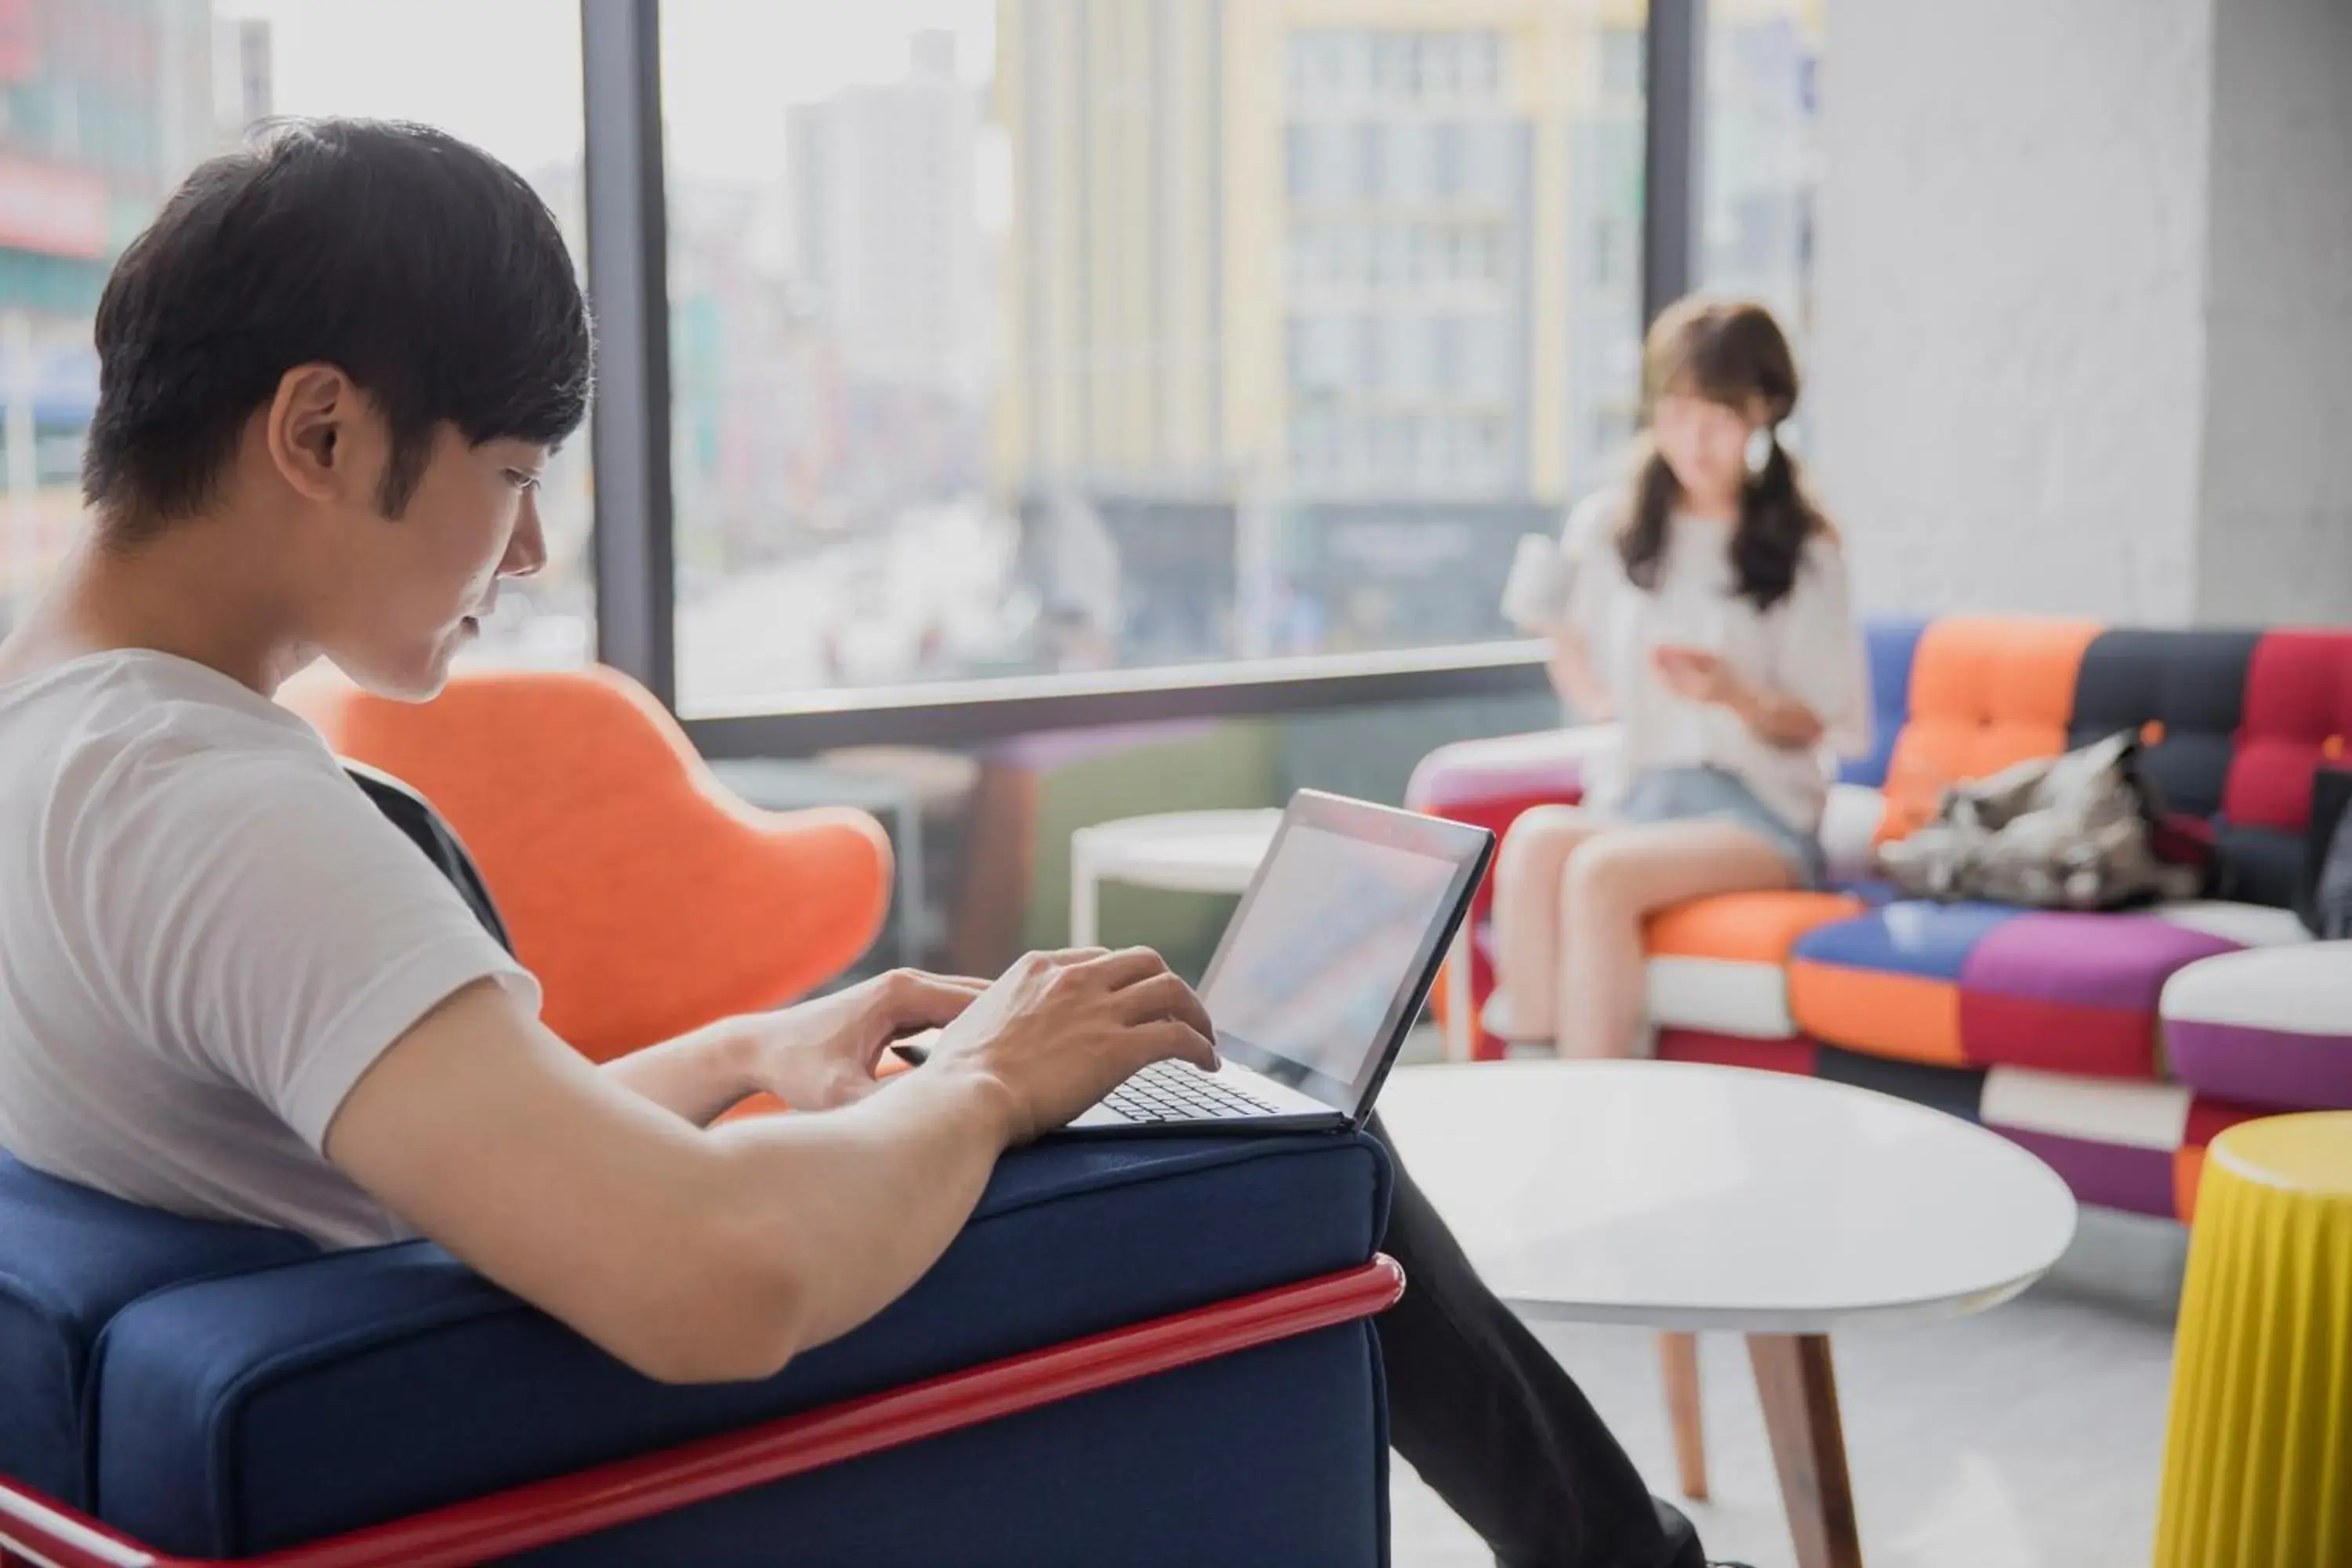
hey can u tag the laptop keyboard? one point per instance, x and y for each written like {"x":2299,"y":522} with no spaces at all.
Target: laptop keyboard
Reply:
{"x":1179,"y":1091}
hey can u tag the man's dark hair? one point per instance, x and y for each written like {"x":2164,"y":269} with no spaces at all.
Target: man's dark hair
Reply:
{"x":424,"y":268}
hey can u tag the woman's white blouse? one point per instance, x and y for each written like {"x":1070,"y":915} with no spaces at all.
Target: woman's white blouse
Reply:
{"x":1805,"y":646}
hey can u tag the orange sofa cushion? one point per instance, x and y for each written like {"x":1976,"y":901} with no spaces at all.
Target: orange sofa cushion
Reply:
{"x":1985,"y":693}
{"x":1752,"y":928}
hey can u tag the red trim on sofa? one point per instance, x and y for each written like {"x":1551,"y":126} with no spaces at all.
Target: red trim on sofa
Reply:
{"x":2209,"y":1119}
{"x":35,"y":1531}
{"x":1797,"y":1055}
{"x":1999,"y":1030}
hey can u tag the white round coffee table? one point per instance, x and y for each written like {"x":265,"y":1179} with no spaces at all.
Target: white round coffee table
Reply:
{"x":1186,"y":851}
{"x":1689,"y":1198}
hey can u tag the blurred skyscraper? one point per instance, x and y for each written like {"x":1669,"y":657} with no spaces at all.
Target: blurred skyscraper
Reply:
{"x":1361,"y":277}
{"x":886,"y":228}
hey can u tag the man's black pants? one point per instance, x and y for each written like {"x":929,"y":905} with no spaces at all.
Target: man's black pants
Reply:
{"x":1495,"y":1427}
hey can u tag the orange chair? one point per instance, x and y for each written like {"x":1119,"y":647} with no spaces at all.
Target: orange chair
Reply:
{"x":647,"y":899}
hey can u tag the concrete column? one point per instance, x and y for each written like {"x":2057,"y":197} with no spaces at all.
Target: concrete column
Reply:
{"x":2083,"y":334}
{"x":2276,"y":537}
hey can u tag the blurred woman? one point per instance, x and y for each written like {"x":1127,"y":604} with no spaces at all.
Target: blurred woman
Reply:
{"x":1704,"y":607}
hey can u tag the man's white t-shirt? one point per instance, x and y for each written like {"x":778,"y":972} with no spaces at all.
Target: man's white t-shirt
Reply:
{"x":207,"y":934}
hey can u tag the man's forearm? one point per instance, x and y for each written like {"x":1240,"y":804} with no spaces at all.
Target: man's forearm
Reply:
{"x":697,"y":1076}
{"x":692,"y":1255}
{"x":853,"y":1204}
{"x":859,"y":1203}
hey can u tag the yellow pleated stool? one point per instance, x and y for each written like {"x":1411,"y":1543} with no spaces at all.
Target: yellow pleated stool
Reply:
{"x":2258,"y":1456}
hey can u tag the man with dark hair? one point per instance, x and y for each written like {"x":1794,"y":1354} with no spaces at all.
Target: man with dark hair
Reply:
{"x":330,"y":375}
{"x":360,"y":246}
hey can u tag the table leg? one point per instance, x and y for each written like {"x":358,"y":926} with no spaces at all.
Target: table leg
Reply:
{"x":1678,"y":1356}
{"x":1798,"y":1388}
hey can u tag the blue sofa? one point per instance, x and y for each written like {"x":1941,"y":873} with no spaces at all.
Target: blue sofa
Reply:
{"x":212,"y":1391}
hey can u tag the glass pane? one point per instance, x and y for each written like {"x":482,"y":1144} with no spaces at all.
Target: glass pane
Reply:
{"x":1762,"y":154}
{"x":1045,"y":336}
{"x":104,"y":108}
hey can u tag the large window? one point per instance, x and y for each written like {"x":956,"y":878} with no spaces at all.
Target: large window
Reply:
{"x":106,"y":104}
{"x":1058,"y":336}
{"x":1007,"y":338}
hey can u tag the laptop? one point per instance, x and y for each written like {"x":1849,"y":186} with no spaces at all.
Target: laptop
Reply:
{"x":1319,"y":976}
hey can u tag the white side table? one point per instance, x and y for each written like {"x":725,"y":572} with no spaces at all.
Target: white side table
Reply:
{"x":1184,"y":851}
{"x":1692,"y":1198}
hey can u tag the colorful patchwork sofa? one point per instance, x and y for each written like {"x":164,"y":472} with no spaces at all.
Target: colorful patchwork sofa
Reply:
{"x":2114,"y":1045}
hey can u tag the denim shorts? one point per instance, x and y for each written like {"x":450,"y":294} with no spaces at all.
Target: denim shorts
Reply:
{"x":1712,"y":795}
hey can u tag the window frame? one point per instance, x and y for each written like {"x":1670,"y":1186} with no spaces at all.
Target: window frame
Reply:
{"x":633,"y":551}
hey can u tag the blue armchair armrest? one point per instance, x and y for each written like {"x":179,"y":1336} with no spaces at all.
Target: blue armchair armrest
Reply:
{"x":303,"y":1401}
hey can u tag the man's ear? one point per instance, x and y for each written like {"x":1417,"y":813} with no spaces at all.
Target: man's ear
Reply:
{"x":306,"y":429}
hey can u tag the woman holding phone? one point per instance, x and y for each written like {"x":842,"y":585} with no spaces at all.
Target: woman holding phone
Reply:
{"x":1704,"y":607}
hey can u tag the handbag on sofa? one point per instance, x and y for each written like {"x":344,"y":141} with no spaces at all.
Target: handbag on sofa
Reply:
{"x":2072,"y":832}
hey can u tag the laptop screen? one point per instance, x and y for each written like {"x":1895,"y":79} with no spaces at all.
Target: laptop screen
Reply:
{"x":1336,"y":939}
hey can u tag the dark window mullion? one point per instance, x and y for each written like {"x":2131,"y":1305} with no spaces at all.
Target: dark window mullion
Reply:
{"x":1674,"y":67}
{"x":628,"y":238}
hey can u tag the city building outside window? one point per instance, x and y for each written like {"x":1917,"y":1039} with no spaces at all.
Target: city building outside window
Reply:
{"x":105,"y":107}
{"x":1011,"y":338}
{"x":1058,"y":336}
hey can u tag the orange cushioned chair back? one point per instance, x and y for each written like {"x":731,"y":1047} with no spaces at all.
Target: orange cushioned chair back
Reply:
{"x":1985,"y":693}
{"x":646,"y":897}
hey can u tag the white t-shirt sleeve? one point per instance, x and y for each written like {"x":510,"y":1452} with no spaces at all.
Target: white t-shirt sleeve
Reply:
{"x":257,"y":917}
{"x":1818,"y":656}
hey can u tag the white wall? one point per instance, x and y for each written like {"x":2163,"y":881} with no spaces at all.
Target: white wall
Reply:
{"x":2276,"y":543}
{"x":2008,"y":354}
{"x":2083,"y":338}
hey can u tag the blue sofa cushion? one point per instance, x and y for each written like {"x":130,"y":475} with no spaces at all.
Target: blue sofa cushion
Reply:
{"x":71,"y":1258}
{"x":1909,"y":936}
{"x":1889,"y":646}
{"x":244,"y":1413}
